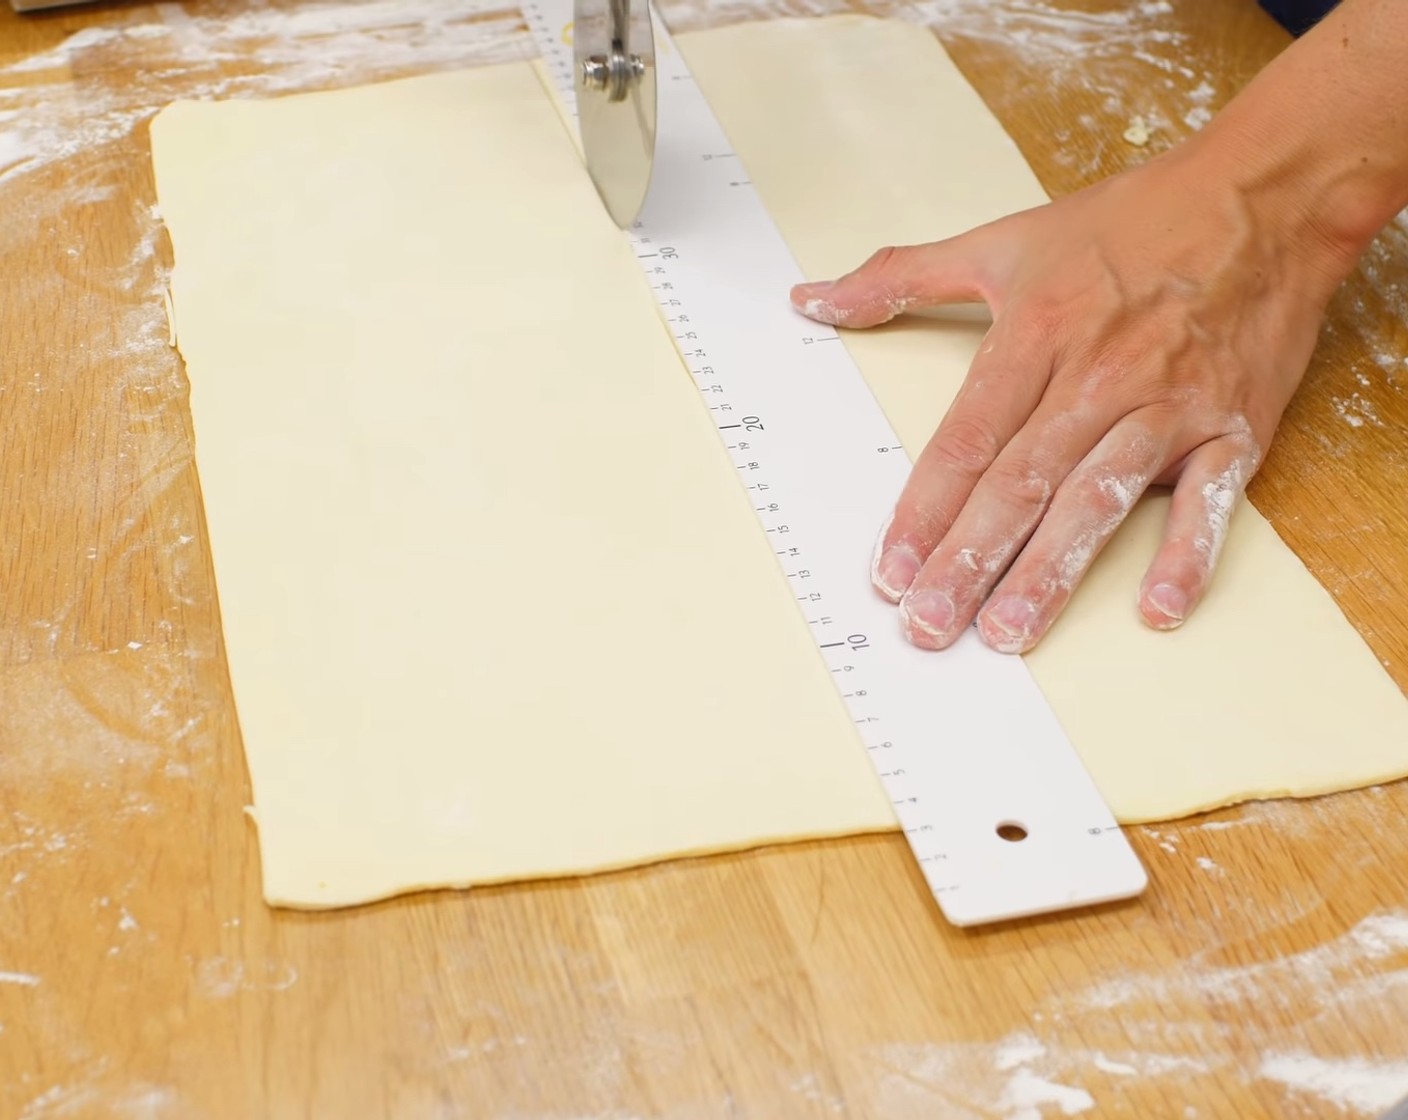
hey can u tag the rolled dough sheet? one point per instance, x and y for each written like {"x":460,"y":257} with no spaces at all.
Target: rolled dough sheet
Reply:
{"x":495,"y":605}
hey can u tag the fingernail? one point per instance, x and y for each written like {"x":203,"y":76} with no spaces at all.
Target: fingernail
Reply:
{"x":814,"y":288}
{"x":1169,"y":601}
{"x":929,"y":612}
{"x":1007,"y":624}
{"x":895,"y":570}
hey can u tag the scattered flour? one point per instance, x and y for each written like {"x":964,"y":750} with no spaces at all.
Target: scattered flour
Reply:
{"x":1009,"y":1080}
{"x":1110,"y":52}
{"x":1118,"y":1069}
{"x":1346,"y":1083}
{"x":1377,"y":302}
{"x":1029,"y":1075}
{"x":1017,"y":1078}
{"x":44,"y":123}
{"x":1333,"y":968}
{"x":221,"y":977}
{"x":1356,"y":410}
{"x":1168,"y":842}
{"x":810,"y":1087}
{"x":1196,"y":117}
{"x":100,"y":1093}
{"x":1381,"y":935}
{"x":1202,"y":93}
{"x":62,"y":56}
{"x":1017,"y":1051}
{"x":1026,"y":1093}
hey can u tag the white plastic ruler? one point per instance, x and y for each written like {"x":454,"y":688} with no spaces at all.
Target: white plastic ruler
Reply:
{"x":963,"y":741}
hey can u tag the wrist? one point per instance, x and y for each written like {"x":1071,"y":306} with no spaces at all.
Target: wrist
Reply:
{"x":1327,"y":196}
{"x":1318,"y":142}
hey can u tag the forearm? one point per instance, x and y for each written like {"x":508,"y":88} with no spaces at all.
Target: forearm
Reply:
{"x":1320,"y":138}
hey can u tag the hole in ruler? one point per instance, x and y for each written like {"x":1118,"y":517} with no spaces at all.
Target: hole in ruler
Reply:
{"x":1011,"y":830}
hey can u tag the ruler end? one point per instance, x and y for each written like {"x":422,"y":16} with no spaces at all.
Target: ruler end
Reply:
{"x":1106,"y":871}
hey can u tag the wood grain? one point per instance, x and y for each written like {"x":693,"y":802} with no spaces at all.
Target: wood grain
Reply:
{"x":141,"y":976}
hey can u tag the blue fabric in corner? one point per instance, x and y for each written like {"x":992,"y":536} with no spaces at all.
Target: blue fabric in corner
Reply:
{"x":1298,"y":16}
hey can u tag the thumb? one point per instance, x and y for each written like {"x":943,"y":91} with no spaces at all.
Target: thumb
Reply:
{"x":894,"y":281}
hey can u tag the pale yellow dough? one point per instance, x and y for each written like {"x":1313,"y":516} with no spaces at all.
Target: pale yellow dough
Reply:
{"x":494,"y":601}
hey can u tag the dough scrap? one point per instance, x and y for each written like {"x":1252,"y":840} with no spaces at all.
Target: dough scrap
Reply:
{"x":471,"y":639}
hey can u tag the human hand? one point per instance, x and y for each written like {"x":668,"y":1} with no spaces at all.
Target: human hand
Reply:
{"x":1148,"y":330}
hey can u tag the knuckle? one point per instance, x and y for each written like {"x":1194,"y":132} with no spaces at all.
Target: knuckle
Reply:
{"x":1105,"y":496}
{"x":1022,"y":481}
{"x":967,"y":444}
{"x":881,"y":288}
{"x":1241,"y":440}
{"x":1109,"y":375}
{"x":1101,"y":374}
{"x":887,"y":259}
{"x":1186,"y":562}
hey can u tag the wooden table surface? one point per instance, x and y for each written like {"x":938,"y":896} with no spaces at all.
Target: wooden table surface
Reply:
{"x":1265,"y":973}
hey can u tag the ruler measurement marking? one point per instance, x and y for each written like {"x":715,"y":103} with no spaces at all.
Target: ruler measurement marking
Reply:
{"x":718,"y":387}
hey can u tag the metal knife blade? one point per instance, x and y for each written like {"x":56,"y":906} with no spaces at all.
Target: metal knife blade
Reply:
{"x":613,"y":44}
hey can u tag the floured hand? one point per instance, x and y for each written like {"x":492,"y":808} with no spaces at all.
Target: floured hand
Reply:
{"x":1148,"y":330}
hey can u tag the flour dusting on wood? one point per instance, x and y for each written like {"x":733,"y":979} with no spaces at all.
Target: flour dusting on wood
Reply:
{"x":1349,"y":1085}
